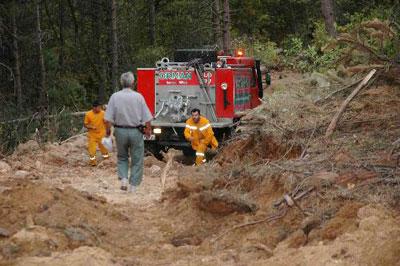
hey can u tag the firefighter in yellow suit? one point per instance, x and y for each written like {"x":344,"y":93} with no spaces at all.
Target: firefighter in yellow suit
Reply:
{"x":94,"y":122}
{"x":199,"y":132}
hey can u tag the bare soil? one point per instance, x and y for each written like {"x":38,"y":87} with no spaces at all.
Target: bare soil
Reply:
{"x":57,"y":210}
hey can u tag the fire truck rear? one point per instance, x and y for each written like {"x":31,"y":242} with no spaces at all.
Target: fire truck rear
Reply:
{"x":222,"y":87}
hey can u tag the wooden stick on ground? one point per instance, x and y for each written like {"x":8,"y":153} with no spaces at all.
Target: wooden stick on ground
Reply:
{"x":170,"y":155}
{"x":336,"y":118}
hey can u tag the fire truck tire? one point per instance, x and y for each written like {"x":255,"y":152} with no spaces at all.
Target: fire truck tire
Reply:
{"x":189,"y":152}
{"x":155,"y":150}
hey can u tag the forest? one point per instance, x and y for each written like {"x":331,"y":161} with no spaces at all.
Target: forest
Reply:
{"x":58,"y":56}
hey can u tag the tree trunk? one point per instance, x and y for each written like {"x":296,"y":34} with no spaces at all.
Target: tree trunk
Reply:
{"x":327,"y":8}
{"x":17,"y":66}
{"x":227,"y":26}
{"x":152,"y":22}
{"x":217,"y":23}
{"x":61,"y":28}
{"x":114,"y":68}
{"x":73,"y":15}
{"x":43,"y":100}
{"x":96,"y":13}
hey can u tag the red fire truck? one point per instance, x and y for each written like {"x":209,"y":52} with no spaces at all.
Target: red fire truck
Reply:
{"x":222,"y":87}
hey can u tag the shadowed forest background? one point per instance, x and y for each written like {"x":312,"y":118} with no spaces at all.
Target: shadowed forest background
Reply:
{"x":56,"y":57}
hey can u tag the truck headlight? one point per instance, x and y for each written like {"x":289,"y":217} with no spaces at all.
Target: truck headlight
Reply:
{"x":157,"y":130}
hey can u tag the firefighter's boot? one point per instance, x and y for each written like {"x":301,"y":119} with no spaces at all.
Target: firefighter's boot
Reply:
{"x":103,"y":150}
{"x":92,"y":161}
{"x":200,"y":159}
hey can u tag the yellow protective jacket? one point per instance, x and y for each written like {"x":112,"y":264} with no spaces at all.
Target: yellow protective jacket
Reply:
{"x":201,"y":132}
{"x":96,"y":120}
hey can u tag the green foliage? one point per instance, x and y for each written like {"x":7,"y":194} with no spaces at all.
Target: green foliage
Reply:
{"x":264,"y":50}
{"x":312,"y":57}
{"x":67,"y":91}
{"x":147,"y":56}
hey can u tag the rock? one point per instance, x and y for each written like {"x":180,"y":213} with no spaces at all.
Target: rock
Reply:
{"x":324,"y":179}
{"x":21,"y":174}
{"x":4,"y":167}
{"x":320,"y":80}
{"x":75,"y":234}
{"x":39,"y":165}
{"x":186,"y":239}
{"x":310,"y":223}
{"x":224,"y":203}
{"x":4,"y":232}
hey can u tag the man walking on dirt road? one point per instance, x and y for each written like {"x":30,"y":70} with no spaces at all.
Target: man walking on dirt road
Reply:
{"x":94,"y":122}
{"x":199,"y":132}
{"x":127,"y":112}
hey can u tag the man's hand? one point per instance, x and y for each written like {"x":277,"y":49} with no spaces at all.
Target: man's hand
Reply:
{"x":90,"y":127}
{"x":147,"y":132}
{"x":108,"y":128}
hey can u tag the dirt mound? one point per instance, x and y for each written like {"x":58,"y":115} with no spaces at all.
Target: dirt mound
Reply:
{"x":377,"y":227}
{"x":257,"y":148}
{"x":82,"y":256}
{"x":60,"y":219}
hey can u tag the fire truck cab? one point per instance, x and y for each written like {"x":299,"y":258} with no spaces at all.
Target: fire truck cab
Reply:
{"x":222,"y":87}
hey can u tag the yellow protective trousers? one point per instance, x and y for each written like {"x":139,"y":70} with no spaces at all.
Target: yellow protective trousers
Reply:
{"x":201,"y":147}
{"x":93,"y":143}
{"x":202,"y":136}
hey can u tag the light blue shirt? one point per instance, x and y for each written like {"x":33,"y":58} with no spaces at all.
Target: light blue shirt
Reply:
{"x":127,"y":108}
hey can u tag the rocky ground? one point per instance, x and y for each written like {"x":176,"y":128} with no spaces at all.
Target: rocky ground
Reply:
{"x":278,"y":193}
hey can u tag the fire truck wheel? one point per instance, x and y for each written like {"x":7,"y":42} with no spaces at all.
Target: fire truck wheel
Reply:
{"x":155,"y":150}
{"x":189,"y":152}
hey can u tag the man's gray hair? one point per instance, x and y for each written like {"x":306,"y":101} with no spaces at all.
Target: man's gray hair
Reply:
{"x":127,"y":80}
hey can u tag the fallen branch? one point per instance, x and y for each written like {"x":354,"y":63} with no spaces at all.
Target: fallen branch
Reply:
{"x":36,"y":117}
{"x":336,"y":118}
{"x":268,"y":219}
{"x":71,"y":138}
